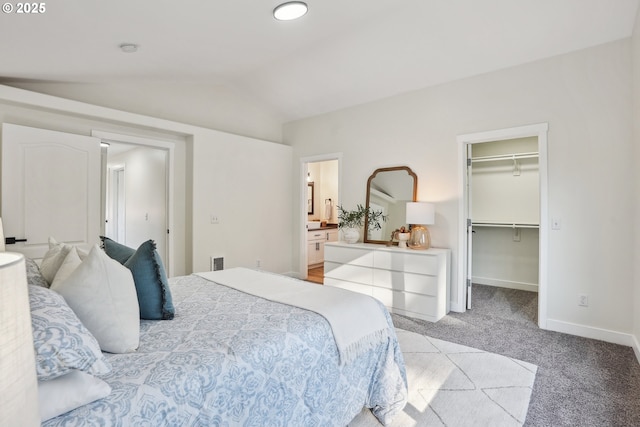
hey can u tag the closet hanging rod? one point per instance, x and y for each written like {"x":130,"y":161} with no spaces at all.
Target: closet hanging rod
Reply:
{"x":531,"y":155}
{"x":504,"y":225}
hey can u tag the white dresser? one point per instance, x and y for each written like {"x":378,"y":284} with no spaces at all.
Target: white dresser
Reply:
{"x":411,"y":282}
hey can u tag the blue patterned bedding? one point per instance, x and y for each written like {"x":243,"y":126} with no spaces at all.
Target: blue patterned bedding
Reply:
{"x":233,"y":359}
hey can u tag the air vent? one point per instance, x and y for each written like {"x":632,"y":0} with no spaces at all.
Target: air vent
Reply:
{"x":217,"y":263}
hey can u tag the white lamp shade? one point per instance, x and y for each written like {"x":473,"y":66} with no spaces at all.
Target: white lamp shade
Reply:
{"x":18,"y":383}
{"x":421,"y":213}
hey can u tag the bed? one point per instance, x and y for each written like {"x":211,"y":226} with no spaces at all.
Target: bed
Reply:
{"x":230,"y":358}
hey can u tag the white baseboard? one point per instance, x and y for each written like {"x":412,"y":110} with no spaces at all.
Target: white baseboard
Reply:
{"x":595,"y":333}
{"x":636,"y":347}
{"x":522,"y":286}
{"x":454,"y":306}
{"x":294,"y":274}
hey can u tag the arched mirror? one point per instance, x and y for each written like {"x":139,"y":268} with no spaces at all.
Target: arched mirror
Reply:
{"x":389,"y":190}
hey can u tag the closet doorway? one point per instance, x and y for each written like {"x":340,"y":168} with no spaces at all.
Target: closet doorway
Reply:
{"x":504,"y":213}
{"x":320,"y":189}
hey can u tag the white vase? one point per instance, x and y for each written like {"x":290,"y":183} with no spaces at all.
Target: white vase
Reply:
{"x":351,"y":235}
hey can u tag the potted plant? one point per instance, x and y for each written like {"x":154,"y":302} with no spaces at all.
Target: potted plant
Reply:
{"x":350,"y":222}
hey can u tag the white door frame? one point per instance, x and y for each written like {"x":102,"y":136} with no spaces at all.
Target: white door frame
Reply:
{"x":117,"y":197}
{"x":170,"y":148}
{"x":304,"y":162}
{"x":537,"y":130}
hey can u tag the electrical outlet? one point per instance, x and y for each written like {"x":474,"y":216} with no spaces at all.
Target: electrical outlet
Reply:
{"x":583,"y":300}
{"x":258,"y":263}
{"x":214,"y":219}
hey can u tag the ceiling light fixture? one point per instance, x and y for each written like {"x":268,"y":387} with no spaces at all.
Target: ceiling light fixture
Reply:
{"x":129,"y":47}
{"x":290,"y":10}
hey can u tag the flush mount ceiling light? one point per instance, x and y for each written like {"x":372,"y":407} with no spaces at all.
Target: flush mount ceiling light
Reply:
{"x":129,"y":47}
{"x":290,"y":10}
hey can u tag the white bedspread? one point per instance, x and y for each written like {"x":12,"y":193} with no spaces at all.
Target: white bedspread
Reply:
{"x":356,"y":320}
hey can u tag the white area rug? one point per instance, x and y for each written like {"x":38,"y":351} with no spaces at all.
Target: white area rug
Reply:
{"x":455,"y":386}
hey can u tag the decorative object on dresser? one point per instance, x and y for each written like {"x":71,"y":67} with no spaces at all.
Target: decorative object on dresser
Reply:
{"x":420,"y":214}
{"x":403,"y":238}
{"x":351,"y":221}
{"x":388,"y":190}
{"x":19,"y":391}
{"x":402,"y":235}
{"x":412,"y":283}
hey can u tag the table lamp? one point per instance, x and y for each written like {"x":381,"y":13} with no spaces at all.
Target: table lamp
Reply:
{"x":18,"y":382}
{"x":420,"y":214}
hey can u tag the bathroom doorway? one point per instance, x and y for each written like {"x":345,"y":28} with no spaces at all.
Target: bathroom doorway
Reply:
{"x":320,"y":191}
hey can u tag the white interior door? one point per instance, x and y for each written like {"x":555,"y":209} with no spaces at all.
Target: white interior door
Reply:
{"x":50,"y":187}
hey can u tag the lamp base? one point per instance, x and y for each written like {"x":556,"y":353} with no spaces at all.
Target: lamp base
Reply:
{"x":420,"y":238}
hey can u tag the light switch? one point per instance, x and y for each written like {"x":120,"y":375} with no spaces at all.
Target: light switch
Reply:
{"x":556,"y":223}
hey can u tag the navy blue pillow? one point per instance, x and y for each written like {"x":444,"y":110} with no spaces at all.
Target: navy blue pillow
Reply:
{"x":149,"y":276}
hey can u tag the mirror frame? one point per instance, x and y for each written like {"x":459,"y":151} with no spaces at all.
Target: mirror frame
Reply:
{"x":310,"y":198}
{"x":373,"y":175}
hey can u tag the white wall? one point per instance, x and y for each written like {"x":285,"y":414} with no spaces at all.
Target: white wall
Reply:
{"x":636,"y":144}
{"x":145,"y":196}
{"x":247,"y":184}
{"x":585,"y":98}
{"x":208,"y":106}
{"x":244,"y":180}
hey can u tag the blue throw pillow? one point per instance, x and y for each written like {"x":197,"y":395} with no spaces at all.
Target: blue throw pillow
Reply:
{"x":115,"y":250}
{"x":149,"y":276}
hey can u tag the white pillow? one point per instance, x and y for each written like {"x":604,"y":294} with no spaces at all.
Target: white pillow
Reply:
{"x":68,"y":266}
{"x":68,"y":392}
{"x":102,"y":293}
{"x":53,"y":259}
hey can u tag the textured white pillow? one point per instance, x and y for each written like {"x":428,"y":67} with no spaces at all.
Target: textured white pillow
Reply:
{"x":102,"y":293}
{"x":68,"y":392}
{"x":53,"y":259}
{"x":68,"y":266}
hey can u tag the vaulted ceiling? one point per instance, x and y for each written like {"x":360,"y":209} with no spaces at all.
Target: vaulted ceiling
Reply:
{"x":341,"y":53}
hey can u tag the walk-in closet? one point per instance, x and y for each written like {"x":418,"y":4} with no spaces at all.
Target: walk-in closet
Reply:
{"x":504,"y":201}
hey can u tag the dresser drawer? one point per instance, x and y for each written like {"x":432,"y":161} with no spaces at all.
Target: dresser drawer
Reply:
{"x":348,"y":272}
{"x":347,"y":255}
{"x":407,"y":302}
{"x":409,"y":282}
{"x":354,"y":287}
{"x":407,"y":262}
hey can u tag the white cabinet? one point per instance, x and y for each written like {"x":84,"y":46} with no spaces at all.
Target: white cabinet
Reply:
{"x":315,"y":244}
{"x":414,"y":283}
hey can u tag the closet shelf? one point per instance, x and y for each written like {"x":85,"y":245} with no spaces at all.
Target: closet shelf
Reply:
{"x":515,"y":156}
{"x":504,"y":224}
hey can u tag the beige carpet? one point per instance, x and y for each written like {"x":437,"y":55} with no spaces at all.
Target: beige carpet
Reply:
{"x":456,"y":386}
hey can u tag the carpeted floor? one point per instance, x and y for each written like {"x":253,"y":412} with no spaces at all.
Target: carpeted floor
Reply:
{"x":580,"y":382}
